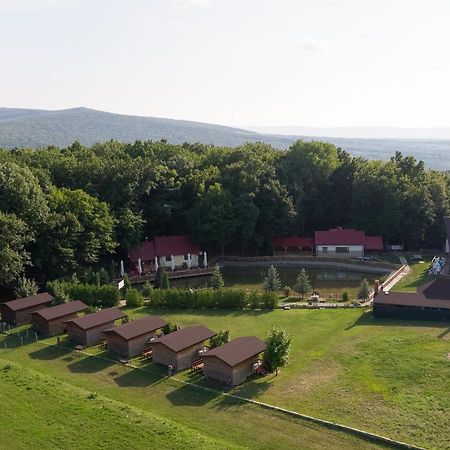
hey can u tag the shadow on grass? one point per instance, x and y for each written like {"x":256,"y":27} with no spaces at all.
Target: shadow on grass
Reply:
{"x":140,"y":378}
{"x":49,"y":353}
{"x":187,"y":395}
{"x":90,"y":364}
{"x":367,"y":318}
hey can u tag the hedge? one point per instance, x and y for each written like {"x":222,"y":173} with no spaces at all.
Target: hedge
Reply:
{"x":212,"y":299}
{"x":104,"y":296}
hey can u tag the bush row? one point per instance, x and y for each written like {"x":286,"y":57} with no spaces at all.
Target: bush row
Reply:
{"x":212,"y":298}
{"x":104,"y":296}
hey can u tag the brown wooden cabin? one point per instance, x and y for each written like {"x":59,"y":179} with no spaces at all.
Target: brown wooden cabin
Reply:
{"x":180,"y":348}
{"x":88,"y":330}
{"x":18,"y":312}
{"x":53,"y":321}
{"x":132,"y":338}
{"x":232,"y":363}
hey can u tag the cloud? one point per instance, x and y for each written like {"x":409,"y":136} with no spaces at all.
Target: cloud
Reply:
{"x":36,"y":5}
{"x":310,"y":45}
{"x":195,"y":3}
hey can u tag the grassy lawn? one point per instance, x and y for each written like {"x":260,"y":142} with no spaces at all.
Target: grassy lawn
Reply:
{"x":59,"y":399}
{"x":388,"y":377}
{"x":416,"y":277}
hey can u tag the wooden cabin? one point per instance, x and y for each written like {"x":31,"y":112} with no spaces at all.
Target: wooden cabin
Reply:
{"x":232,"y":363}
{"x":53,"y":321}
{"x":180,"y":348}
{"x":132,"y":338}
{"x":18,"y":312}
{"x":88,"y":330}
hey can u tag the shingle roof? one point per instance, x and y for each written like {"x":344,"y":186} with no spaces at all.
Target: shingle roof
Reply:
{"x":163,"y":246}
{"x":238,"y":350}
{"x":435,"y":294}
{"x":186,"y":337}
{"x":98,"y":318}
{"x":28,"y":302}
{"x":138,"y":327}
{"x":340,"y":236}
{"x":55,"y":312}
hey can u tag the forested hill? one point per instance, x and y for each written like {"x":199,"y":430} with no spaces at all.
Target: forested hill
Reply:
{"x":41,"y":128}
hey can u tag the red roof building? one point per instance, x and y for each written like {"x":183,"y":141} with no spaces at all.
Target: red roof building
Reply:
{"x":164,"y":248}
{"x":336,"y":242}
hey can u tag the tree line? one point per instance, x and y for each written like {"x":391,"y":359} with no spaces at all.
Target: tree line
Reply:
{"x":63,"y":211}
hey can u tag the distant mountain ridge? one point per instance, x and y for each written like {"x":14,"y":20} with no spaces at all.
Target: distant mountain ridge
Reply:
{"x":37,"y":128}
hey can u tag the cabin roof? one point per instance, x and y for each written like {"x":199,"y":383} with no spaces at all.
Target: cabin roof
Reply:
{"x":55,"y":312}
{"x":138,"y":327}
{"x":28,"y":302}
{"x":238,"y":350}
{"x":98,"y":318}
{"x":185,"y":338}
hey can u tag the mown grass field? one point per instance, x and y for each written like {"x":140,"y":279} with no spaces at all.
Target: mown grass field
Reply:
{"x":417,"y":277}
{"x":390,"y":378}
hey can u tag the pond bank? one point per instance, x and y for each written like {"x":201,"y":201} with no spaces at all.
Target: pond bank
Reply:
{"x":313,"y":262}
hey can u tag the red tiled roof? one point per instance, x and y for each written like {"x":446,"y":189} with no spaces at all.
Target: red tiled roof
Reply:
{"x":374,"y":243}
{"x":99,"y":318}
{"x":138,"y":327}
{"x":340,"y":236}
{"x":185,"y":338}
{"x":163,"y":246}
{"x":28,"y":302}
{"x":292,"y":241}
{"x":58,"y":311}
{"x":238,"y":350}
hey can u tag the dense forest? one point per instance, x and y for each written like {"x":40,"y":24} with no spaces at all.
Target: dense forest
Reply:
{"x":64,"y":210}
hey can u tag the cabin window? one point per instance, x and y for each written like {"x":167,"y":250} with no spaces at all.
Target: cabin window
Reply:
{"x":169,"y":258}
{"x":324,"y":249}
{"x":342,"y":249}
{"x":186,"y":257}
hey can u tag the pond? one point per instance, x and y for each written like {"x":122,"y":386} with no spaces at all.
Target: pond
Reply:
{"x":324,"y":280}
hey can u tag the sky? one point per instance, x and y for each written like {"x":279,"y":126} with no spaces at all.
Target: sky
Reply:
{"x":316,"y":63}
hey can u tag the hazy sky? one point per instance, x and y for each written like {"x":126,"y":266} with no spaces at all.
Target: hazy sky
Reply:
{"x":235,"y":62}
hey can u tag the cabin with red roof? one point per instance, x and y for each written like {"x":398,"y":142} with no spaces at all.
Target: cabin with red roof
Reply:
{"x":345,"y":243}
{"x":335,"y":242}
{"x":164,"y":248}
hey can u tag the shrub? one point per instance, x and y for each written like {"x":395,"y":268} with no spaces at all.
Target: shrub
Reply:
{"x":134,"y":298}
{"x":222,"y":337}
{"x":364,"y":290}
{"x":104,"y":276}
{"x":25,"y":288}
{"x":171,"y":327}
{"x":269,"y":300}
{"x":345,"y":296}
{"x":147,"y":290}
{"x":287,"y":291}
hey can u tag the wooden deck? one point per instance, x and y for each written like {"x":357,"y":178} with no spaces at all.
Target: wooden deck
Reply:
{"x":173,"y":275}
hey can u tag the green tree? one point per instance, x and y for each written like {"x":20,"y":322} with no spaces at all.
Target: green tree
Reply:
{"x":147,"y":290}
{"x":14,"y":237}
{"x":79,"y":230}
{"x":217,"y":279}
{"x":25,"y":288}
{"x":212,"y":217}
{"x":112,"y":270}
{"x":126,"y":284}
{"x":303,"y":285}
{"x":278,"y":345}
{"x":165,"y":281}
{"x":222,"y":337}
{"x":134,"y":298}
{"x":364,"y":290}
{"x":57,"y":289}
{"x":345,"y":296}
{"x":104,"y":276}
{"x":272,"y":282}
